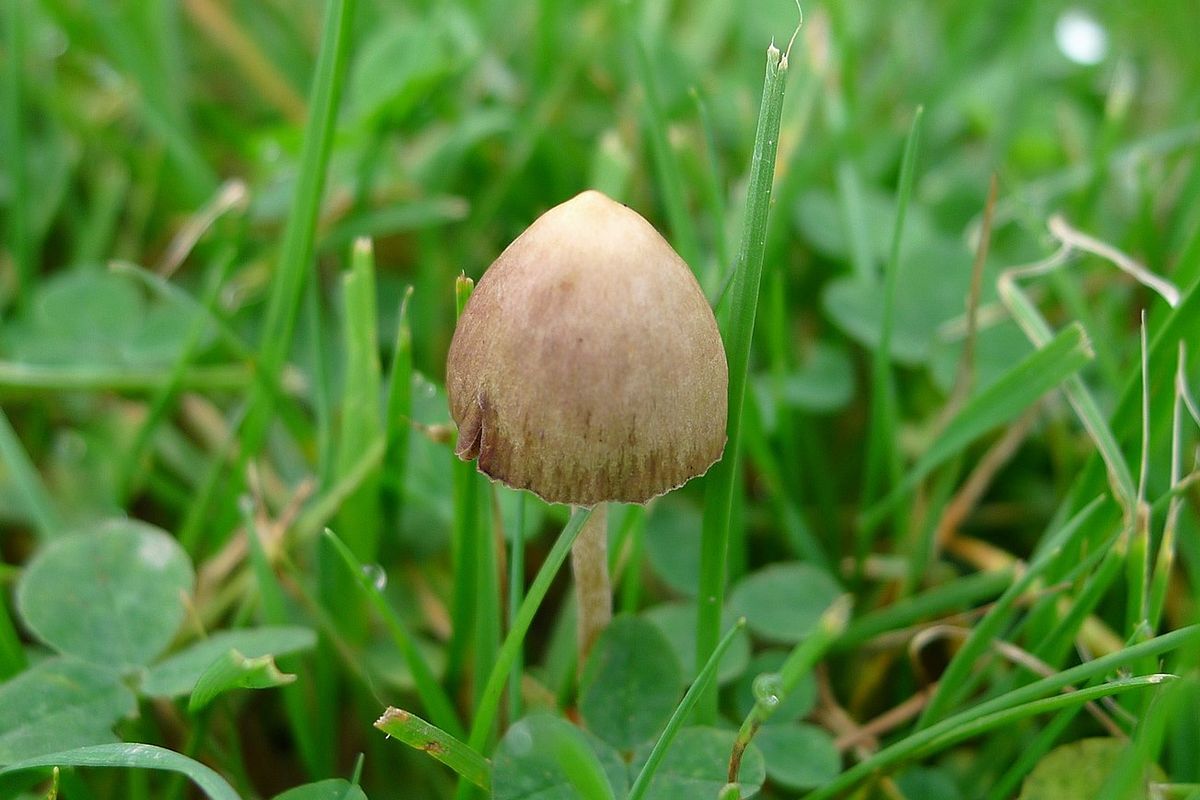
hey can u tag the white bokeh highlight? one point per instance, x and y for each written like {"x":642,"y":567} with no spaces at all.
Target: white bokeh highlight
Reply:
{"x":1080,"y":37}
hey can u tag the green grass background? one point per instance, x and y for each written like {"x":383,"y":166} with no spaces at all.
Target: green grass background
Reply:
{"x":189,"y":337}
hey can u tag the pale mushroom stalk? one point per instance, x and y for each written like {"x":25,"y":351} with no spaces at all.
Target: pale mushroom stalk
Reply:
{"x":587,"y":368}
{"x":593,"y":591}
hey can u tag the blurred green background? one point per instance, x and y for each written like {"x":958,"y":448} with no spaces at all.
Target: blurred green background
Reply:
{"x":167,"y":138}
{"x":459,"y":123}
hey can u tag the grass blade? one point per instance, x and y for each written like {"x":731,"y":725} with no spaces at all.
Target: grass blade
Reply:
{"x":655,"y":125}
{"x":945,"y":730}
{"x":972,"y":723}
{"x":1165,"y":559}
{"x":420,"y":735}
{"x":143,"y":756}
{"x":489,"y":701}
{"x":738,"y":336}
{"x":12,"y":651}
{"x":295,"y":258}
{"x":161,"y":108}
{"x":438,"y":704}
{"x":398,"y":414}
{"x":642,"y":782}
{"x":301,"y":718}
{"x":954,"y":679}
{"x":799,"y":663}
{"x":964,"y":592}
{"x":290,"y":412}
{"x":477,"y":592}
{"x":361,"y":419}
{"x":923,"y":745}
{"x":321,"y":393}
{"x":883,"y":467}
{"x":1088,"y":411}
{"x":165,"y":396}
{"x":516,"y":593}
{"x":464,"y":541}
{"x":29,"y":483}
{"x":488,"y":603}
{"x":1002,"y":402}
{"x":18,"y":207}
{"x":102,"y":377}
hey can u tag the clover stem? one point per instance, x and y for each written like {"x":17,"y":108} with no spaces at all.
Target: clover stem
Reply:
{"x":589,"y":564}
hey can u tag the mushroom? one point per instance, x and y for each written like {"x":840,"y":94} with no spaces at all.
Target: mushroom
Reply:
{"x":587,"y":368}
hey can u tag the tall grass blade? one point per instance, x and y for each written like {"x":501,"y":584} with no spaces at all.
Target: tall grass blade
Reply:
{"x":437,"y":703}
{"x":1165,"y":559}
{"x":322,"y":390}
{"x":295,"y":257}
{"x":464,"y":543}
{"x":516,"y":594}
{"x":361,"y":417}
{"x":738,"y":336}
{"x":488,"y":603}
{"x":489,"y":701}
{"x":883,"y":466}
{"x":642,"y":783}
{"x":398,"y":413}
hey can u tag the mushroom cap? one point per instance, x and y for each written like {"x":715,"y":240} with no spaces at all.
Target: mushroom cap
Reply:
{"x":587,"y":366}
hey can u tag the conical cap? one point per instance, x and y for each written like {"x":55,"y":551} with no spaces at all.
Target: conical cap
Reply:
{"x":587,"y":366}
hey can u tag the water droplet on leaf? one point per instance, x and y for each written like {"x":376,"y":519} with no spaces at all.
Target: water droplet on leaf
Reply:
{"x":768,"y":689}
{"x":376,"y":576}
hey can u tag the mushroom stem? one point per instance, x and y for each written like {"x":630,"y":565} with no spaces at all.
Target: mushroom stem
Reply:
{"x":589,"y":563}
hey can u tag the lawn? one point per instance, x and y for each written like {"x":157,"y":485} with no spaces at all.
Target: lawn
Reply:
{"x":882,"y":457}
